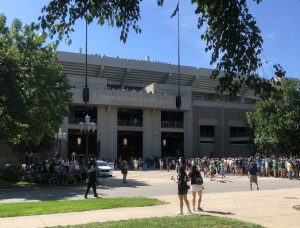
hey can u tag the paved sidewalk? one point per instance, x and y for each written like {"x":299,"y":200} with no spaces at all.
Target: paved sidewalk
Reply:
{"x":270,"y":208}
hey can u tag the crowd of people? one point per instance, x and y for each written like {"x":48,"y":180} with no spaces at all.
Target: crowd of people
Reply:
{"x":56,"y":165}
{"x":283,"y":167}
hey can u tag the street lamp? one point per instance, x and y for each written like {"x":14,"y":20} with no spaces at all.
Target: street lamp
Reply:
{"x":60,"y":136}
{"x":125,"y":141}
{"x":164,"y":142}
{"x":87,"y":127}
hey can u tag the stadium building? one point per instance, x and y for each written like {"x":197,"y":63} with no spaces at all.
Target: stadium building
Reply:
{"x":133,"y":103}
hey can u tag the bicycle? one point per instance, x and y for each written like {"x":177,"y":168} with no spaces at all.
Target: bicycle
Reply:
{"x":69,"y":179}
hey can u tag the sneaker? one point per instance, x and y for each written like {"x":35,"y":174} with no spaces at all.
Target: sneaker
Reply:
{"x":194,"y":209}
{"x":189,"y":213}
{"x":179,"y":213}
{"x":257,"y":188}
{"x":199,"y":209}
{"x":85,"y":197}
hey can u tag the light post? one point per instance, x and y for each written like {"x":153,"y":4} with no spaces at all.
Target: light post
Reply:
{"x":164,"y":142}
{"x":125,"y":142}
{"x":86,"y":127}
{"x":60,"y":136}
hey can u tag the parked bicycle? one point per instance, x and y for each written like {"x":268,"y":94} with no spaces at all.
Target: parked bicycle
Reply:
{"x":69,"y":179}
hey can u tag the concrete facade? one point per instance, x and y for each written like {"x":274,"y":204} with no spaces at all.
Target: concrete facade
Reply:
{"x":152,"y":87}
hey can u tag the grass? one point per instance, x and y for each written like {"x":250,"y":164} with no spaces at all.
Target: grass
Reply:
{"x":297,"y":207}
{"x":64,"y":206}
{"x":25,"y":184}
{"x":191,"y":221}
{"x":20,"y":184}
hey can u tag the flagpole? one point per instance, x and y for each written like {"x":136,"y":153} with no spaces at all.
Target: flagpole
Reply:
{"x":178,"y":97}
{"x":178,"y":32}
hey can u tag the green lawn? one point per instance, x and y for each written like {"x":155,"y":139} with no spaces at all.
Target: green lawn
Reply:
{"x":51,"y":207}
{"x":25,"y":184}
{"x":190,"y":221}
{"x":20,"y":184}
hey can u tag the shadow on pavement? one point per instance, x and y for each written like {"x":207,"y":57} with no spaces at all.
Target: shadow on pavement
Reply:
{"x":219,"y":212}
{"x":113,"y":182}
{"x":64,"y":193}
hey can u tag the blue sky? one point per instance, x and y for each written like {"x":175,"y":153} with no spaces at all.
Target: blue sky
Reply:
{"x":279,"y":21}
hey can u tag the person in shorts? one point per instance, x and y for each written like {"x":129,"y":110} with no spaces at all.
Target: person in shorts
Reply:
{"x":196,"y":186}
{"x":253,"y":175}
{"x":183,"y":188}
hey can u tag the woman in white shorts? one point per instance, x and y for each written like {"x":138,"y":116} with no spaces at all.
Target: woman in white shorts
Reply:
{"x":196,"y":186}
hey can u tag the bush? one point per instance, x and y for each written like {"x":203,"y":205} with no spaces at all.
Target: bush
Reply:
{"x":41,"y":178}
{"x":1,"y":173}
{"x":11,"y":173}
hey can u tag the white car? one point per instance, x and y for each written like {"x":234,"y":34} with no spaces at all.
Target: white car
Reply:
{"x":103,"y":169}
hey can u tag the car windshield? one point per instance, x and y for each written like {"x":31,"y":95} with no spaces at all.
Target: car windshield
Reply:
{"x":102,"y":164}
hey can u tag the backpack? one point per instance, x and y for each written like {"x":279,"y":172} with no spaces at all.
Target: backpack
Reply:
{"x":199,"y":180}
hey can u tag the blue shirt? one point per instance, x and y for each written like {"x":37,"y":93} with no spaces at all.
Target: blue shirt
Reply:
{"x":253,"y":170}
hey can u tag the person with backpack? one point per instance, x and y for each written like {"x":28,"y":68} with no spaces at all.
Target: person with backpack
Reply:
{"x":183,"y":188}
{"x":196,"y":186}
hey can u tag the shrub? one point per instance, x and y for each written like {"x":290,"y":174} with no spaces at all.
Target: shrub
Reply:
{"x":11,"y":173}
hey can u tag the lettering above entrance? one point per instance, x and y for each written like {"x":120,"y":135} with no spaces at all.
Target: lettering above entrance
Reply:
{"x":131,"y":99}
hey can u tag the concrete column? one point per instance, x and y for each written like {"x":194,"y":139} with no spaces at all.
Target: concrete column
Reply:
{"x":188,"y":133}
{"x":107,"y":131}
{"x":151,"y":133}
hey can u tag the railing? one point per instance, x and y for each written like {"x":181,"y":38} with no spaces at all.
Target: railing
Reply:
{"x":238,"y":134}
{"x":171,"y":124}
{"x":78,"y":120}
{"x":130,"y":123}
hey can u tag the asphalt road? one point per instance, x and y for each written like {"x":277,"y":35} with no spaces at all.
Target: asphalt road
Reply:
{"x":148,"y":184}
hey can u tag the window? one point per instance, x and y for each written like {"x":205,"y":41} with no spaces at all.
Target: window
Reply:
{"x":238,"y":132}
{"x":207,"y":131}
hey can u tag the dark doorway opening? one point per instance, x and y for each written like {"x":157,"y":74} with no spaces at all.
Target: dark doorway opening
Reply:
{"x":77,"y":142}
{"x":130,"y":145}
{"x":172,"y":144}
{"x":78,"y":113}
{"x":130,"y":117}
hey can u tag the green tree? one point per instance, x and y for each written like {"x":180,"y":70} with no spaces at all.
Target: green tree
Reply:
{"x":34,"y":93}
{"x":276,"y":120}
{"x":231,"y":34}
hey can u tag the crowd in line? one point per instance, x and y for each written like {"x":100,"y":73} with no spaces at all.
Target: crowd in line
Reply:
{"x":283,"y":167}
{"x":56,"y":165}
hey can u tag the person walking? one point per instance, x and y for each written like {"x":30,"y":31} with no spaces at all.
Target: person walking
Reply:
{"x":253,"y":175}
{"x":161,"y":164}
{"x":124,"y":170}
{"x":183,"y":188}
{"x":289,"y":168}
{"x":222,"y":169}
{"x":196,"y":186}
{"x":91,"y":181}
{"x":212,"y":170}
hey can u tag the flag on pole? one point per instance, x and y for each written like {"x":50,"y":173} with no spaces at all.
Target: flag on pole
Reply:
{"x":175,"y":11}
